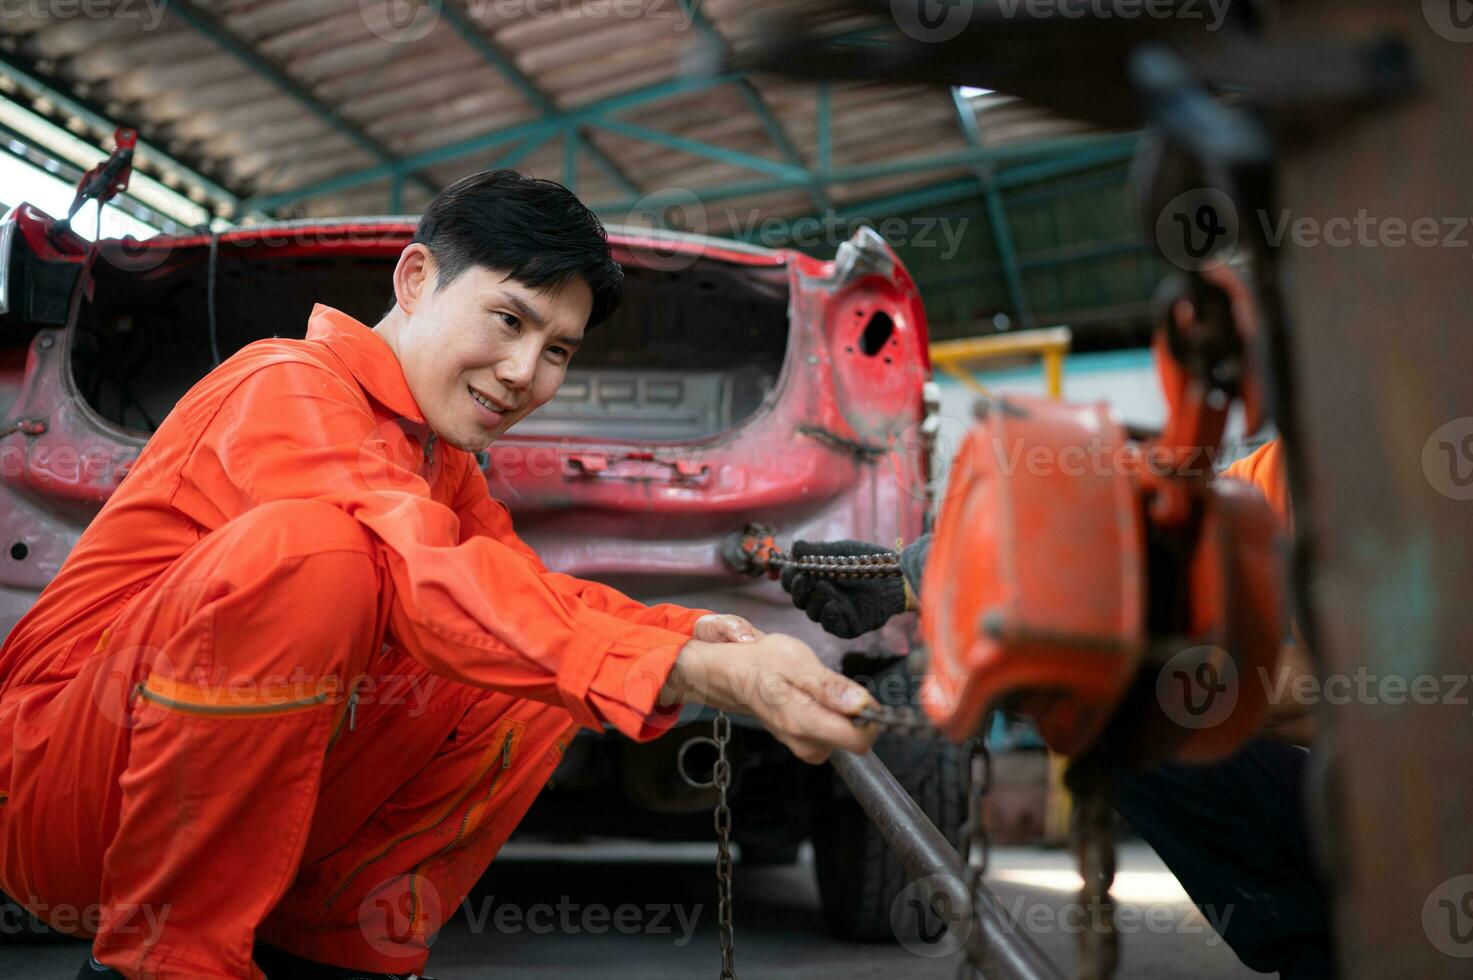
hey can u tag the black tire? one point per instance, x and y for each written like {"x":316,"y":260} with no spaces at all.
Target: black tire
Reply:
{"x":859,"y":877}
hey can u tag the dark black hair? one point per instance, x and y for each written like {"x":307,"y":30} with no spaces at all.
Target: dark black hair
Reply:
{"x":536,"y":231}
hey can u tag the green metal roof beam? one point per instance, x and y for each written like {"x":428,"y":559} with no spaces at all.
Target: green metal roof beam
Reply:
{"x":779,"y":137}
{"x":754,"y":100}
{"x":485,"y":141}
{"x":24,"y":76}
{"x":570,"y":160}
{"x":1094,"y":152}
{"x":721,"y":154}
{"x":207,"y":26}
{"x":825,"y":131}
{"x":950,"y":191}
{"x":492,"y":54}
{"x":516,"y":156}
{"x":997,"y":212}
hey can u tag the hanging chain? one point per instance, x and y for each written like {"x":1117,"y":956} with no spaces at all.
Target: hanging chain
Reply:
{"x":721,"y":775}
{"x":975,"y":841}
{"x":1094,"y":847}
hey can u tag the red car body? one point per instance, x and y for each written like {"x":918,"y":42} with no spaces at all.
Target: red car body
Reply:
{"x":830,"y":449}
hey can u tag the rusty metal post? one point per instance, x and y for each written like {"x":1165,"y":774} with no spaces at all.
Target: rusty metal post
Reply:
{"x":1006,"y":953}
{"x":1380,"y":420}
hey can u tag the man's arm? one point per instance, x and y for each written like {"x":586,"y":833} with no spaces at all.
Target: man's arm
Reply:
{"x":473,"y":609}
{"x":480,"y":513}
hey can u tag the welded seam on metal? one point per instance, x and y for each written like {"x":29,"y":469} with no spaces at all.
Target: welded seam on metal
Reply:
{"x":217,"y":33}
{"x":492,"y":54}
{"x":997,"y":214}
{"x":770,"y":123}
{"x":24,"y":74}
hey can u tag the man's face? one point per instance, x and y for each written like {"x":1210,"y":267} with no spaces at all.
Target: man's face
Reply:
{"x":483,"y":351}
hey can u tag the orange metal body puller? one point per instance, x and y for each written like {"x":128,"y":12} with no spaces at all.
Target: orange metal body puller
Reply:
{"x":1076,"y":574}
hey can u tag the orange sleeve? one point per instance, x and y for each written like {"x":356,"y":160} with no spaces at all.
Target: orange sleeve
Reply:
{"x":481,"y":513}
{"x":1264,"y":468}
{"x":479,"y":608}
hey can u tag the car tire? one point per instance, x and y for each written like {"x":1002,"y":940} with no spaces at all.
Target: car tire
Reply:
{"x":859,"y":878}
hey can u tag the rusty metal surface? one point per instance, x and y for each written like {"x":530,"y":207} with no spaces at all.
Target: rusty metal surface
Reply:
{"x":1381,"y":352}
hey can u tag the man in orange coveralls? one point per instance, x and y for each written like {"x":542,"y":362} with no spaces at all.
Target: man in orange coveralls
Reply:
{"x":299,"y":679}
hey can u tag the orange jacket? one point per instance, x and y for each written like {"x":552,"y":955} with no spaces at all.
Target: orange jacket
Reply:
{"x":1264,"y":468}
{"x":331,"y":418}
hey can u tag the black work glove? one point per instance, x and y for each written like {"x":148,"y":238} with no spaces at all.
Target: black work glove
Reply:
{"x":845,"y":607}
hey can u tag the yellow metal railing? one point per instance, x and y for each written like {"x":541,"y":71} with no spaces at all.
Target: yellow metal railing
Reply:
{"x":959,"y":358}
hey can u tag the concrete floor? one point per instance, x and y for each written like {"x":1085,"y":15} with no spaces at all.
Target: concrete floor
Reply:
{"x":635,"y":910}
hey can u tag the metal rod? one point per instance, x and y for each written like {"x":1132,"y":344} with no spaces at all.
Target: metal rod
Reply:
{"x":1006,"y":952}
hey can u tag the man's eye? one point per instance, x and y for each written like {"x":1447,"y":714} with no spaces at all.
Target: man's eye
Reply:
{"x":509,"y":320}
{"x":560,"y":353}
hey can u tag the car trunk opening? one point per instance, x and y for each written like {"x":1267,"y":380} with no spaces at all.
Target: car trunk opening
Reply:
{"x":690,"y":352}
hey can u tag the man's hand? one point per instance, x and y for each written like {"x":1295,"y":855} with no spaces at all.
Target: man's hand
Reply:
{"x":845,"y":607}
{"x":725,"y":628}
{"x":779,"y":681}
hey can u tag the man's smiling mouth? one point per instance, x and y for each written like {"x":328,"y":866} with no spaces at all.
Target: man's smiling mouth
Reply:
{"x":489,"y":403}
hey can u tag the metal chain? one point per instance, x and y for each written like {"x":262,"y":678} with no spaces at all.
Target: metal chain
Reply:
{"x":721,"y":775}
{"x":1094,"y":843}
{"x":974,"y":840}
{"x":883,"y":565}
{"x":897,"y":719}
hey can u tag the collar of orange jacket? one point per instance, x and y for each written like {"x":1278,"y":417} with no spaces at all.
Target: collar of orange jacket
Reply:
{"x":368,"y":356}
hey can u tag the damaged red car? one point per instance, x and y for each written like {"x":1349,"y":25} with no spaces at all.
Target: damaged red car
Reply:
{"x":734,"y":385}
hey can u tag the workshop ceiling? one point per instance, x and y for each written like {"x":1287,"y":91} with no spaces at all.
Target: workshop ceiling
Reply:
{"x":334,"y":107}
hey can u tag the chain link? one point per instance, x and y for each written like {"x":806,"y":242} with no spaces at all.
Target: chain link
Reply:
{"x":883,"y":565}
{"x":897,"y":720}
{"x":1094,"y":844}
{"x":974,"y":840}
{"x":721,"y":775}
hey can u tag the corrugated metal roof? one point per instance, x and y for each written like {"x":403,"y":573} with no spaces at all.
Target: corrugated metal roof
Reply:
{"x":272,"y":96}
